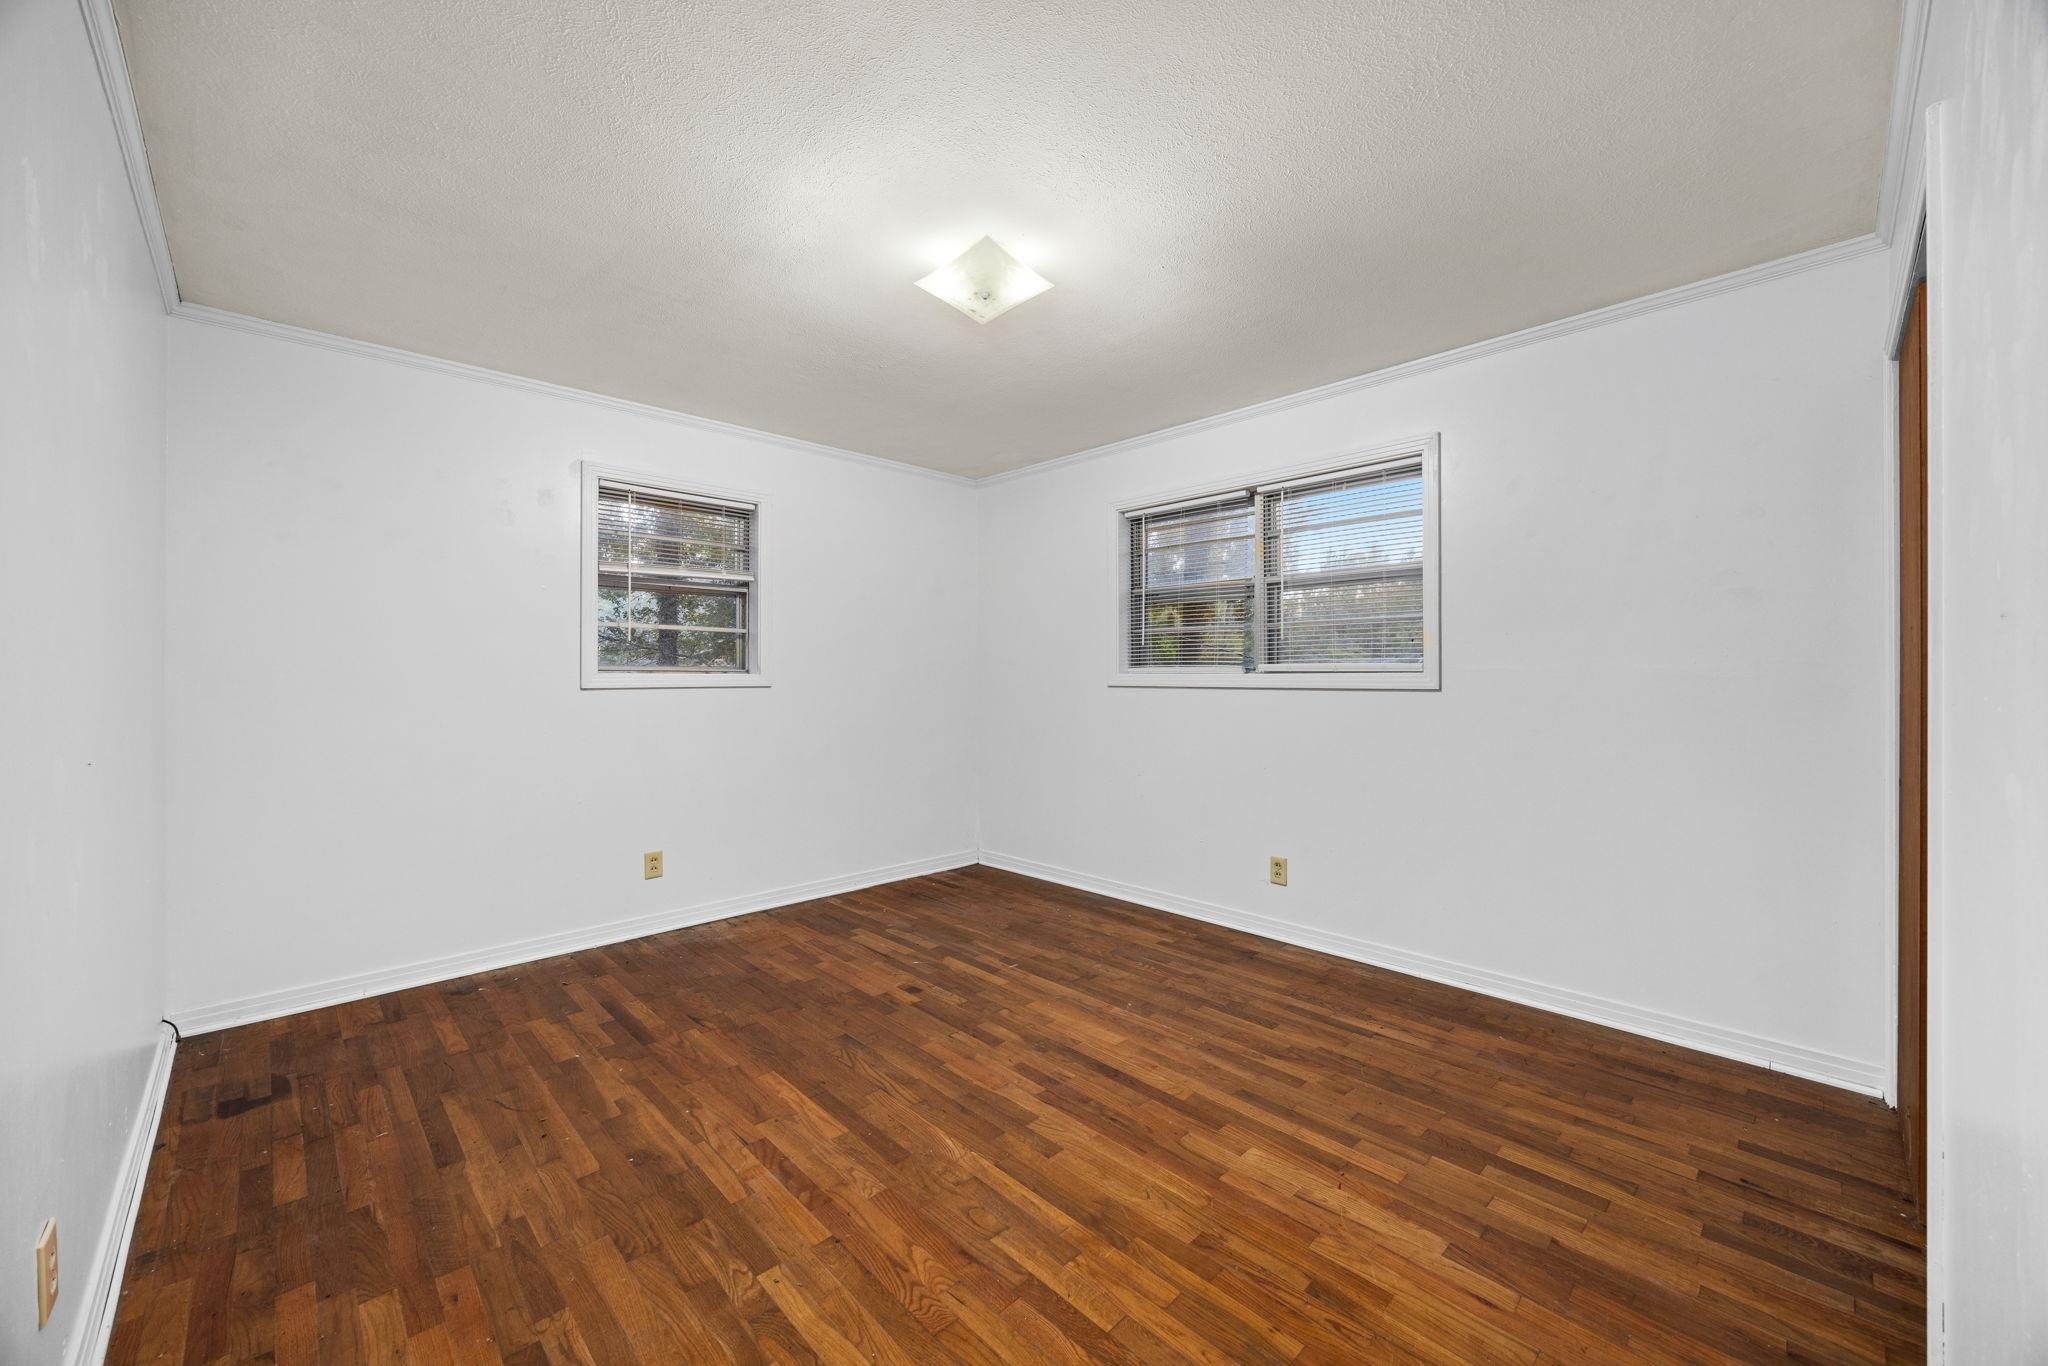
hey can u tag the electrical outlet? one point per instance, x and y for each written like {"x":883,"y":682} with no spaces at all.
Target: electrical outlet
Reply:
{"x":46,"y":1271}
{"x":1276,"y":871}
{"x":650,"y":864}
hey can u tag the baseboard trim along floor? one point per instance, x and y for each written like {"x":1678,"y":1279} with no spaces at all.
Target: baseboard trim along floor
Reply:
{"x":103,"y":1282}
{"x":981,"y":1115}
{"x":1868,"y":1078}
{"x":335,"y":991}
{"x":1852,"y":1074}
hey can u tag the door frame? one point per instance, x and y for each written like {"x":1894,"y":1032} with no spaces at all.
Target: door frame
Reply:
{"x":1926,"y":188}
{"x":1914,"y":295}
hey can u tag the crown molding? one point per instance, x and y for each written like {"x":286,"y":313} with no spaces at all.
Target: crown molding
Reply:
{"x":328,"y":341}
{"x":104,"y":32}
{"x":1528,"y":336}
{"x":1893,"y":201}
{"x":1629,"y":308}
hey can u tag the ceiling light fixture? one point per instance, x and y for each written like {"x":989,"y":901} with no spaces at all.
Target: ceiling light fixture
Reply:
{"x":984,"y":281}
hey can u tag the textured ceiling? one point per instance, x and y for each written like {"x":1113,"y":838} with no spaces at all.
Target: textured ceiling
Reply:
{"x":720,"y":208}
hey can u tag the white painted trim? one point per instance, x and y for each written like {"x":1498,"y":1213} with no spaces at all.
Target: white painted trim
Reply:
{"x":1528,"y":336}
{"x":195,"y":1020}
{"x":595,"y":679}
{"x":1910,"y":273}
{"x":1909,"y":267}
{"x":1428,"y":678}
{"x":305,"y":336}
{"x":1892,"y":201}
{"x":104,"y":32}
{"x":1893,"y":758}
{"x":1761,"y":273}
{"x":1326,"y":680}
{"x":628,"y":682}
{"x":103,"y":1282}
{"x":107,"y":50}
{"x":1942,"y":1234}
{"x":1901,"y":220}
{"x":1848,"y":1073}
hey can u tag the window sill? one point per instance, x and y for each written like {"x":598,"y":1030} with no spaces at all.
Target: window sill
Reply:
{"x":1361,"y":680}
{"x":608,"y":682}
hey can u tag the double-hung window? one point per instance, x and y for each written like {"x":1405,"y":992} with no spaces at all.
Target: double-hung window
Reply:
{"x":1317,"y":579}
{"x":671,"y":597}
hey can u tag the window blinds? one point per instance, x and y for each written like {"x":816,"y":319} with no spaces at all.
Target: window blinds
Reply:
{"x":1343,"y":571}
{"x":675,"y":578}
{"x":1314,"y":574}
{"x":1191,"y":584}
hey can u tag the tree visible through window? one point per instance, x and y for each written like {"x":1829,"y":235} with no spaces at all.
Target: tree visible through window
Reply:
{"x":1321,"y":573}
{"x":675,"y":580}
{"x":1343,"y":565}
{"x":1192,"y":567}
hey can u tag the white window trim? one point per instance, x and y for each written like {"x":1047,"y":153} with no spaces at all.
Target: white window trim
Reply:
{"x":1327,"y":677}
{"x":595,"y":678}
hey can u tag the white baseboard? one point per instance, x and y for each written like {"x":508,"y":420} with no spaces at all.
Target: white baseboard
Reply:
{"x":103,"y":1281}
{"x":334,"y":991}
{"x":1849,"y":1073}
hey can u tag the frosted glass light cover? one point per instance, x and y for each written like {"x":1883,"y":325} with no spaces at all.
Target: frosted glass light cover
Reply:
{"x":984,"y":281}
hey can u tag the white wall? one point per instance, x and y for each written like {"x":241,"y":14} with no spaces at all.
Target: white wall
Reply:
{"x":1654,"y":784}
{"x":379,"y":752}
{"x":1985,"y":77}
{"x":81,"y":664}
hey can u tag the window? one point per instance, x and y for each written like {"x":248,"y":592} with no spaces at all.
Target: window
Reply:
{"x":1322,"y":579}
{"x":670,"y":594}
{"x":1192,"y":586}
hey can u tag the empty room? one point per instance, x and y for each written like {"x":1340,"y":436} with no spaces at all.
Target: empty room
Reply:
{"x":877,"y":681}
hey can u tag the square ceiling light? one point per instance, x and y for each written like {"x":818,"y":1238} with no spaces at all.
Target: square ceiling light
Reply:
{"x":984,"y":281}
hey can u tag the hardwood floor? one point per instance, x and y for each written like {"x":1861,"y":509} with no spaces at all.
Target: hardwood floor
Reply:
{"x":975,"y":1117}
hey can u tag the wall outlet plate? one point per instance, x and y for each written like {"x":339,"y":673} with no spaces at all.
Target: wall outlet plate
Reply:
{"x":1276,"y":871}
{"x":650,"y":864}
{"x":46,"y":1271}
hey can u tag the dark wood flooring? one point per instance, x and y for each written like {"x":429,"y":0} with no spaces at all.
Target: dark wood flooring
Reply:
{"x":975,"y":1117}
